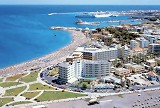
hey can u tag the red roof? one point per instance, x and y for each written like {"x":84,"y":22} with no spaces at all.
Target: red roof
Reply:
{"x":151,"y":74}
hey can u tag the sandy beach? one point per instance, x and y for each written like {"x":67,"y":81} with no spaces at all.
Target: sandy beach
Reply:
{"x":51,"y":59}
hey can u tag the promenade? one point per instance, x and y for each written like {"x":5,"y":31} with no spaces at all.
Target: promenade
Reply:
{"x":51,"y":59}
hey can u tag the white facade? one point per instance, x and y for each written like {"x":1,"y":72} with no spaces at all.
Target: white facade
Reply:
{"x":107,"y":54}
{"x":144,"y":43}
{"x":66,"y":71}
{"x":133,"y":44}
{"x":83,"y":68}
{"x":78,"y":68}
{"x":152,"y":40}
{"x":100,"y":54}
{"x":70,"y":70}
{"x":95,"y":68}
{"x":123,"y":52}
{"x":154,"y":48}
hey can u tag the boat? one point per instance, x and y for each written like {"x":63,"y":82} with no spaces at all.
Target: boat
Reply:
{"x":86,"y":23}
{"x":101,"y":14}
{"x":113,"y":15}
{"x":51,"y":14}
{"x":79,"y":21}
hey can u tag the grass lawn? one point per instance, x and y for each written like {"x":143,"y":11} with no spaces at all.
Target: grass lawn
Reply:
{"x":54,"y":71}
{"x":15,"y":91}
{"x":30,"y":95}
{"x":15,"y":77}
{"x":39,"y":86}
{"x":4,"y":101}
{"x":55,"y":95}
{"x":120,"y":95}
{"x":8,"y":84}
{"x":86,"y":83}
{"x":20,"y":102}
{"x":31,"y":77}
{"x":1,"y":79}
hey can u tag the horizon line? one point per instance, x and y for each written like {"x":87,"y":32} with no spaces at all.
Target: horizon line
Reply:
{"x":92,"y":4}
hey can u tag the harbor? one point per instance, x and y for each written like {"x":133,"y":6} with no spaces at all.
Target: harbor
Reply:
{"x":98,"y":14}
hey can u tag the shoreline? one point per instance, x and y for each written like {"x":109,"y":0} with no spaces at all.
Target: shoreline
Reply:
{"x":49,"y":59}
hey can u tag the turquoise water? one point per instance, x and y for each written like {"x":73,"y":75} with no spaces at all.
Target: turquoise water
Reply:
{"x":25,"y":30}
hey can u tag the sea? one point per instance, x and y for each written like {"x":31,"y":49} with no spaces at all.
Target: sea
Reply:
{"x":25,"y":31}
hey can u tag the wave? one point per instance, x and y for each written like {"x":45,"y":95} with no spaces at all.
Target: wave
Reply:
{"x":64,"y":13}
{"x":51,"y":14}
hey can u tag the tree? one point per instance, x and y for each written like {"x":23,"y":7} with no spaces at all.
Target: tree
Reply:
{"x":98,"y":29}
{"x":118,"y":65}
{"x":115,"y":88}
{"x":84,"y":86}
{"x":151,"y":68}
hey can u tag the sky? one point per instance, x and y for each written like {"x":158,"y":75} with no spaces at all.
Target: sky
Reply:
{"x":85,"y":2}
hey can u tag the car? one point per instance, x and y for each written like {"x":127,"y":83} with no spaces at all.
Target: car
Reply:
{"x":152,"y":83}
{"x":132,"y":90}
{"x":143,"y":88}
{"x":138,"y":88}
{"x":93,"y":101}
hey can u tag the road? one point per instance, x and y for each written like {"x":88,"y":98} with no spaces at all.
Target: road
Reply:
{"x":149,"y":99}
{"x":49,"y":79}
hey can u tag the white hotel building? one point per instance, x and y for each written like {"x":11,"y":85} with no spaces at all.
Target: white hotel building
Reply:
{"x":70,"y":72}
{"x":98,"y":54}
{"x":93,"y":63}
{"x":95,"y":68}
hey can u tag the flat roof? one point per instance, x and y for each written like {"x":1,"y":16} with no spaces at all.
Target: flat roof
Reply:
{"x":88,"y":78}
{"x":121,"y":69}
{"x":83,"y":49}
{"x":133,"y":65}
{"x":154,"y":44}
{"x":138,"y":78}
{"x":95,"y":61}
{"x":64,"y":64}
{"x":137,"y":66}
{"x":152,"y":60}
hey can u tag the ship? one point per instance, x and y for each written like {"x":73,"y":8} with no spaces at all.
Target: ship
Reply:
{"x":102,"y":15}
{"x":85,"y":15}
{"x":98,"y":14}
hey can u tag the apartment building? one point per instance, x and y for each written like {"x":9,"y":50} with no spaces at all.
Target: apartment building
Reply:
{"x":133,"y":44}
{"x":100,"y":54}
{"x":151,"y":62}
{"x":107,"y":39}
{"x":95,"y":68}
{"x":122,"y":71}
{"x":72,"y":71}
{"x":154,"y":48}
{"x":135,"y":68}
